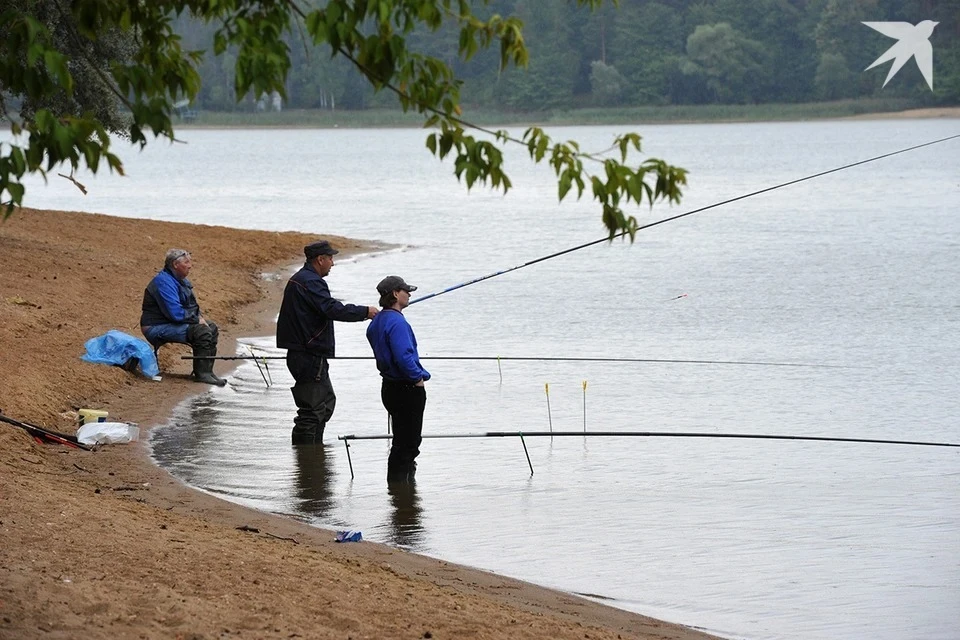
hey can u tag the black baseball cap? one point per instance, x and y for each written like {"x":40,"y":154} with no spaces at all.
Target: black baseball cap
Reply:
{"x":391,"y":284}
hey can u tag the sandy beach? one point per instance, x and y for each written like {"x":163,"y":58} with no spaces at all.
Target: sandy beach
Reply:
{"x":103,"y":544}
{"x":930,"y":112}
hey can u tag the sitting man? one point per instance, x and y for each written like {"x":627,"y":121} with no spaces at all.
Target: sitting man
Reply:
{"x":171,"y":314}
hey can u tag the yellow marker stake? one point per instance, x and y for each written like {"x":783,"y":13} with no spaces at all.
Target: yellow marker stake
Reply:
{"x":499,"y":369}
{"x":267,"y":377}
{"x":584,"y":406}
{"x":546,"y":388}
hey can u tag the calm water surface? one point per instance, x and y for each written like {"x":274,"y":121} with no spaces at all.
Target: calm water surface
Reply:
{"x":746,"y":538}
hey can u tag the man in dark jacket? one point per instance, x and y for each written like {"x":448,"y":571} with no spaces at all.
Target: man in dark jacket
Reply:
{"x":305,"y":330}
{"x":170,"y":313}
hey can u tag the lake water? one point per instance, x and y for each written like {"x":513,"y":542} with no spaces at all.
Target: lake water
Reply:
{"x":746,"y":538}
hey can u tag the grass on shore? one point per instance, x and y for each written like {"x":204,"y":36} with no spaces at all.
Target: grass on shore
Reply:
{"x":372,"y":118}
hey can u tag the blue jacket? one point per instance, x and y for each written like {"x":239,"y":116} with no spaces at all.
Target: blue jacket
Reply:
{"x":395,"y":347}
{"x":307,"y":313}
{"x":168,"y":300}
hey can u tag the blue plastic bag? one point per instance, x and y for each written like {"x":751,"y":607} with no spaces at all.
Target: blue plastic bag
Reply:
{"x":348,"y":536}
{"x":119,"y":349}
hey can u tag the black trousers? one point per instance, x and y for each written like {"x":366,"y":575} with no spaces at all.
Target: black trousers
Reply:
{"x":313,"y":395}
{"x":405,"y":403}
{"x":203,"y":337}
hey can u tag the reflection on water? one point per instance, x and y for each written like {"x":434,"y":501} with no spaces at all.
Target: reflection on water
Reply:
{"x":184,"y":439}
{"x":204,"y":415}
{"x":405,"y":527}
{"x":314,"y":476}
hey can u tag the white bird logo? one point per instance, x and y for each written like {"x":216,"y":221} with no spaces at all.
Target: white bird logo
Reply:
{"x":912,"y":42}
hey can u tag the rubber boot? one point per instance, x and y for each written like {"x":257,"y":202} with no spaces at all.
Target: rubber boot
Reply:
{"x":401,"y":473}
{"x":203,"y":369}
{"x":299,"y":438}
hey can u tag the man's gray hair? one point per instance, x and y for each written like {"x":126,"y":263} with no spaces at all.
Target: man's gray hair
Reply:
{"x":173,"y":255}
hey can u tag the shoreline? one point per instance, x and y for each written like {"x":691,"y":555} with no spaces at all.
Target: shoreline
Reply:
{"x":106,"y":544}
{"x":301,"y":119}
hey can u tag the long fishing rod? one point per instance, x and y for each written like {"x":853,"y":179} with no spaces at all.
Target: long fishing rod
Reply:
{"x":633,"y":434}
{"x":677,"y":217}
{"x":551,"y":359}
{"x":656,"y":434}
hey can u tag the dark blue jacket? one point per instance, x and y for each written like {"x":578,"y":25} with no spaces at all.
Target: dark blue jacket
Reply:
{"x":395,"y":347}
{"x":168,"y":300}
{"x":307,"y":314}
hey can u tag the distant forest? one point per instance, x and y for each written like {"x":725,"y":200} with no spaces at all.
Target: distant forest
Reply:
{"x":643,"y":53}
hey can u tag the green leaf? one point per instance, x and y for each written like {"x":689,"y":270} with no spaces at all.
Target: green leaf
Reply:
{"x":16,"y":191}
{"x":446,"y":143}
{"x":18,"y":161}
{"x":565,"y":183}
{"x":599,"y":189}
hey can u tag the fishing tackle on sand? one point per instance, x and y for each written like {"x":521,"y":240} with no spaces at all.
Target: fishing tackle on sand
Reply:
{"x":45,"y":436}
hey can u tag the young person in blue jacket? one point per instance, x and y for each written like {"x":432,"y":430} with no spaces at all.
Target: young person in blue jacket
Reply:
{"x":402,"y":390}
{"x":305,"y":330}
{"x":170,"y":313}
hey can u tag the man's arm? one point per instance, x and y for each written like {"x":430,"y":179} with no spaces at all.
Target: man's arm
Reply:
{"x":318,"y":294}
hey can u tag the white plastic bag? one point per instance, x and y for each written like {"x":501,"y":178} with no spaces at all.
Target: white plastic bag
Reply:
{"x":108,"y":433}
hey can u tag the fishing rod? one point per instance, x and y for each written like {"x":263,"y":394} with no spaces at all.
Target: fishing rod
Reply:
{"x":678,"y":216}
{"x":551,"y":359}
{"x":637,"y":434}
{"x":45,"y":435}
{"x":657,"y":434}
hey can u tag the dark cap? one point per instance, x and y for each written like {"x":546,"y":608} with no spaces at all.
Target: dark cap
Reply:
{"x":321,"y":248}
{"x":391,"y":284}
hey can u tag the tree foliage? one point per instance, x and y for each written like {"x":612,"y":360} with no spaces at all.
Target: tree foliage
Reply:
{"x":731,"y":65}
{"x":834,"y":80}
{"x":43,"y":43}
{"x":645,"y":36}
{"x":645,"y":40}
{"x":606,"y":83}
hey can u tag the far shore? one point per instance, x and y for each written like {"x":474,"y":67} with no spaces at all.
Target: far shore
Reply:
{"x":930,"y":112}
{"x":631,"y":117}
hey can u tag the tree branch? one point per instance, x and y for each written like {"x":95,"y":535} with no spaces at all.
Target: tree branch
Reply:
{"x":67,"y":21}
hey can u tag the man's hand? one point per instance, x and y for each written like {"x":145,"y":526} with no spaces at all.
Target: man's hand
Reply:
{"x":419,"y":383}
{"x":372,"y":311}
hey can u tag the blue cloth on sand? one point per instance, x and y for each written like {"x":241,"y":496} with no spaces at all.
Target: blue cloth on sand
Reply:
{"x":117,"y":348}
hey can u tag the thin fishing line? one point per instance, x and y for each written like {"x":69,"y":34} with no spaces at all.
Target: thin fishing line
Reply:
{"x":554,"y":359}
{"x":682,"y":215}
{"x":654,"y":360}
